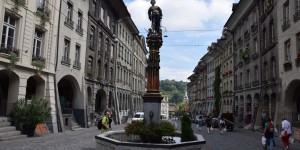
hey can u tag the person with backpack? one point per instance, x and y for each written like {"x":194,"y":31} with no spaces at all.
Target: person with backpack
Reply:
{"x":103,"y":124}
{"x":269,"y":133}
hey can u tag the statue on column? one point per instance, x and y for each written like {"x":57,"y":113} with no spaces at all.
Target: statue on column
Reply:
{"x":155,"y":15}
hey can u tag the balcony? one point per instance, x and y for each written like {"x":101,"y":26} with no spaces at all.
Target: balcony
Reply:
{"x":254,"y":27}
{"x":43,"y":8}
{"x":296,"y":16}
{"x":66,"y":61}
{"x":79,"y":30}
{"x":286,"y":24}
{"x":247,"y":85}
{"x":77,"y":65}
{"x":69,"y":23}
{"x":255,"y":83}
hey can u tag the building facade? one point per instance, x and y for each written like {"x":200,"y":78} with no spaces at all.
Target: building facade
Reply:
{"x":288,"y":15}
{"x":70,"y":68}
{"x":27,"y":55}
{"x":130,"y":70}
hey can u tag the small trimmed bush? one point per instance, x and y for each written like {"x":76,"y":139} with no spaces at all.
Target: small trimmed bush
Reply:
{"x":187,"y":133}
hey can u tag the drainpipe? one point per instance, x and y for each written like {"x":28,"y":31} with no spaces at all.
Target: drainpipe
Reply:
{"x":58,"y":108}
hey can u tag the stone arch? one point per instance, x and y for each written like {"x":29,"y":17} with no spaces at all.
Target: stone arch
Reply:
{"x":35,"y":87}
{"x":69,"y":94}
{"x":101,"y":101}
{"x":9,"y":91}
{"x":292,"y":100}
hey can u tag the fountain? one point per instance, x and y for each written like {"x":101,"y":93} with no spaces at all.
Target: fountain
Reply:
{"x":152,"y":101}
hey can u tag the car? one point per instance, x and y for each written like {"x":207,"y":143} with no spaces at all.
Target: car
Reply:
{"x":139,"y":116}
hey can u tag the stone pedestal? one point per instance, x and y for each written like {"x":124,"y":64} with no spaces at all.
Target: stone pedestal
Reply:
{"x":152,"y":108}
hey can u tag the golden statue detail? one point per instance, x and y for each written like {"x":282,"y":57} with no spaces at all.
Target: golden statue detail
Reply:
{"x":155,"y":15}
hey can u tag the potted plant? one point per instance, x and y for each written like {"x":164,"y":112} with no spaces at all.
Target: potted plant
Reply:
{"x":29,"y":113}
{"x":38,"y":62}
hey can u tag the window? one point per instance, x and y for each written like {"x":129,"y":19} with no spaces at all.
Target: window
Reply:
{"x":111,"y":51}
{"x":79,"y":21}
{"x":273,"y":68}
{"x":69,"y":11}
{"x":102,"y":14}
{"x":92,"y":33}
{"x":255,"y":45}
{"x":287,"y":49}
{"x":286,"y":12}
{"x":266,"y":69}
{"x":298,"y":6}
{"x":100,"y":42}
{"x":255,"y":73}
{"x":298,"y":42}
{"x":37,"y":44}
{"x":241,"y":78}
{"x":108,"y":21}
{"x":99,"y":68}
{"x":93,"y":8}
{"x":272,"y":32}
{"x":248,"y":76}
{"x":8,"y":32}
{"x":264,"y":39}
{"x":67,"y":48}
{"x":77,"y":53}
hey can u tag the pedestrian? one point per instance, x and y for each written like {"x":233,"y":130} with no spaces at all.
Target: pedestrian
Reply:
{"x":208,"y":124}
{"x":263,"y":120}
{"x":286,"y":132}
{"x":110,"y":119}
{"x":105,"y":122}
{"x":200,"y":122}
{"x":269,"y":134}
{"x":222,"y":125}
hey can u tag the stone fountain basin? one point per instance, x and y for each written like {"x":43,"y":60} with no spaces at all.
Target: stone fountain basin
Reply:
{"x":104,"y":142}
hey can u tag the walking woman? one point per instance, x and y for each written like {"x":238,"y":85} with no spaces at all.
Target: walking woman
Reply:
{"x":287,"y":131}
{"x":208,"y":124}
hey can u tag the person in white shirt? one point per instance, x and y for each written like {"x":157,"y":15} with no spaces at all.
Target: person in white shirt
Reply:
{"x":287,"y":130}
{"x":222,"y":125}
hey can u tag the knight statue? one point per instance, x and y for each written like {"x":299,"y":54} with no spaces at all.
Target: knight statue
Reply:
{"x":155,"y":15}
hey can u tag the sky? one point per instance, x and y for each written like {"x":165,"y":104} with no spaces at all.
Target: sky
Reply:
{"x":191,"y":26}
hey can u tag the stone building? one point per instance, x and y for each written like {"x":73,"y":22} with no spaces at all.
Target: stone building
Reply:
{"x":101,"y":55}
{"x":28,"y":31}
{"x":70,"y":46}
{"x":288,"y":30}
{"x":130,"y":70}
{"x":165,"y":108}
{"x":243,"y":25}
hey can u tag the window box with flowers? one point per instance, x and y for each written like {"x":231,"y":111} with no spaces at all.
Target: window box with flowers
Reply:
{"x":10,"y":53}
{"x":287,"y":65}
{"x":297,"y":60}
{"x":38,"y":62}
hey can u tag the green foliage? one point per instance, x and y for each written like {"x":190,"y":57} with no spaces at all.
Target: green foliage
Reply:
{"x":150,"y":133}
{"x":175,"y":90}
{"x":40,"y":65}
{"x":187,"y":133}
{"x":245,"y":53}
{"x":13,"y":60}
{"x":17,"y":4}
{"x":217,"y":91}
{"x":43,"y":16}
{"x":31,"y":112}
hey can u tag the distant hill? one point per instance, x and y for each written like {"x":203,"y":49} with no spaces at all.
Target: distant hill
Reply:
{"x":175,"y":90}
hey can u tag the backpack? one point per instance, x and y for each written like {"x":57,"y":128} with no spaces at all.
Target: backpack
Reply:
{"x":270,"y":131}
{"x":99,"y":125}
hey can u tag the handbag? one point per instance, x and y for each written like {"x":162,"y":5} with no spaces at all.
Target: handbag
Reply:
{"x":263,"y":140}
{"x":291,"y":140}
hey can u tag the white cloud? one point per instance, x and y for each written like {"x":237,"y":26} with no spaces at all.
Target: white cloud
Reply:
{"x":182,"y":14}
{"x":176,"y":74}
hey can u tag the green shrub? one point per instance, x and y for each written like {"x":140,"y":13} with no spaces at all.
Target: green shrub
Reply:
{"x":187,"y":133}
{"x":29,"y":113}
{"x":152,"y":132}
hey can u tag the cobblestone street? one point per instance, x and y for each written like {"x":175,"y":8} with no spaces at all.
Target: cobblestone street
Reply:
{"x":85,"y":140}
